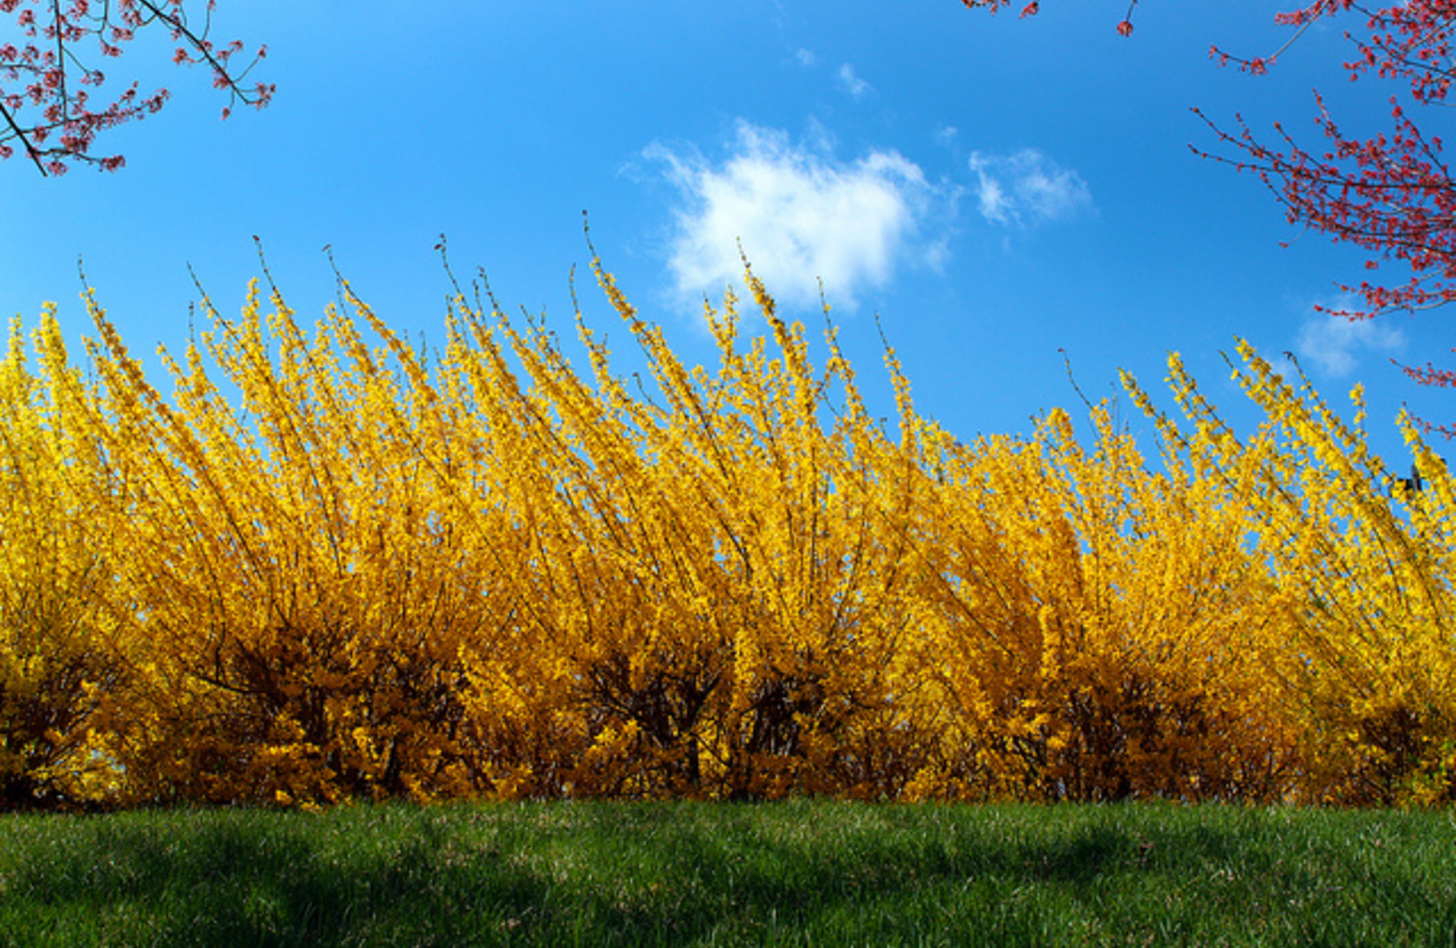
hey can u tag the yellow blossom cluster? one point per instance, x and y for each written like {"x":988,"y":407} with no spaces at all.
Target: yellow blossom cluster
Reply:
{"x":330,"y":566}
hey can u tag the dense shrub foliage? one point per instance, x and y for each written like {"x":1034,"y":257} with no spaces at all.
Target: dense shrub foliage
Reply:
{"x":331,"y":567}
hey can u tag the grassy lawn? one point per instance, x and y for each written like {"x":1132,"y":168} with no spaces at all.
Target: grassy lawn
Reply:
{"x":799,"y":873}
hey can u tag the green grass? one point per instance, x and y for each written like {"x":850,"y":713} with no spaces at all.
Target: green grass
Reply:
{"x":799,"y":873}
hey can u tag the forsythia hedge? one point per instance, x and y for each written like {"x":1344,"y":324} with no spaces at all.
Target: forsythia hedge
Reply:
{"x":365,"y":573}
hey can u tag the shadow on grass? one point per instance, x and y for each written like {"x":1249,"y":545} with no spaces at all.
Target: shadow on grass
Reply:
{"x":684,"y":874}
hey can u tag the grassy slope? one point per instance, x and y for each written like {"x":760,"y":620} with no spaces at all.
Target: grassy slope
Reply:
{"x":700,"y":874}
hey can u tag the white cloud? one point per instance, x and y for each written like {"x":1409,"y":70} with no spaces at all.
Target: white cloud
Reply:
{"x":805,"y":57}
{"x":801,"y":216}
{"x":1333,"y":343}
{"x":851,"y":82}
{"x":1027,"y":188}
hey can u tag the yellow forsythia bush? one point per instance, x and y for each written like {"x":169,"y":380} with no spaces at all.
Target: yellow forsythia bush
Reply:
{"x":1097,"y":629}
{"x":61,"y":664}
{"x":328,"y":566}
{"x":1361,"y":566}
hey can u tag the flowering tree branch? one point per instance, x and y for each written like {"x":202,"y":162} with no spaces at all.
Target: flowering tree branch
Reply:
{"x":45,"y":72}
{"x":1033,"y":7}
{"x":1391,"y":193}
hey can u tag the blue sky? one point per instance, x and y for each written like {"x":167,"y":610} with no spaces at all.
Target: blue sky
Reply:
{"x":995,"y":189}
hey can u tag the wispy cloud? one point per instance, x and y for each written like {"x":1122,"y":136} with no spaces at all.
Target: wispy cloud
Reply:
{"x":1334,"y":343}
{"x":1027,"y":188}
{"x":800,"y":214}
{"x":805,"y":57}
{"x":850,"y":82}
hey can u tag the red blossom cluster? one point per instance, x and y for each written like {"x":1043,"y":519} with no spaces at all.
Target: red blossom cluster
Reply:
{"x":1390,"y":193}
{"x":45,"y":76}
{"x":1032,"y":8}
